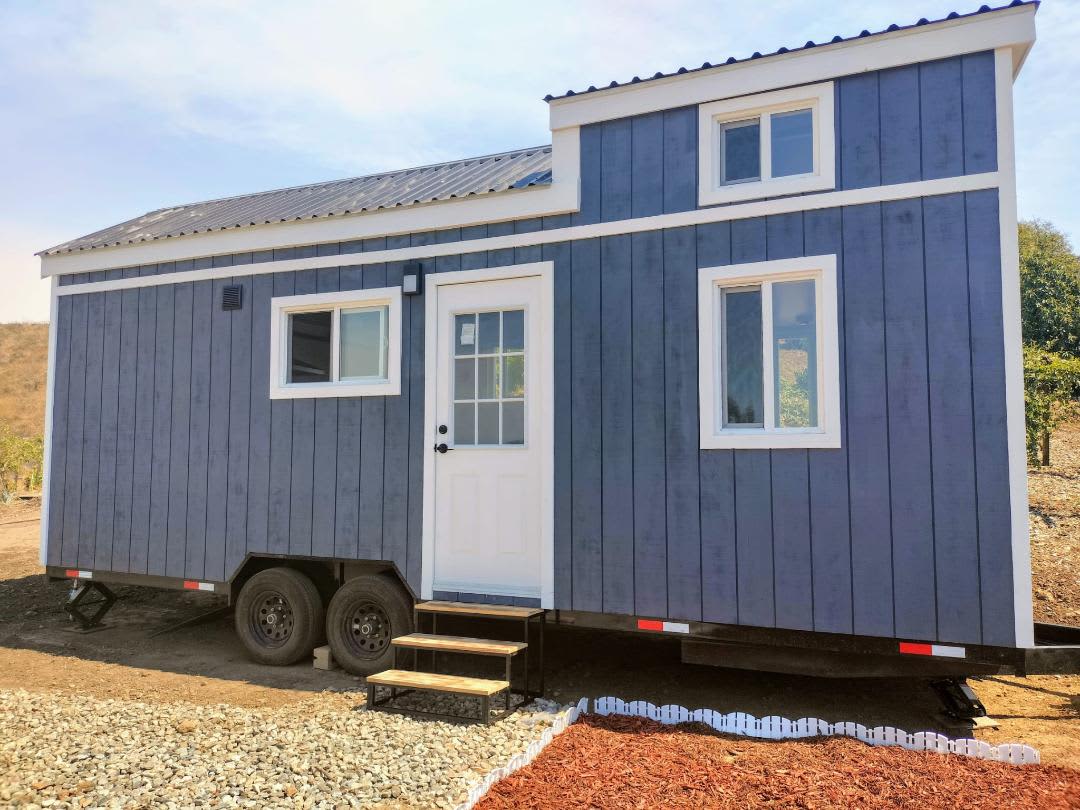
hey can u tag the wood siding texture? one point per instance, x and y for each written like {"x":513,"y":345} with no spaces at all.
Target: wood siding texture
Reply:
{"x":169,"y":458}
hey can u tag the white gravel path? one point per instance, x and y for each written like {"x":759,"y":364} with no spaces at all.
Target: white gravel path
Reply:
{"x":67,"y":750}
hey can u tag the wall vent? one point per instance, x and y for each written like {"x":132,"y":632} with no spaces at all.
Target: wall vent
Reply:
{"x":232,"y":297}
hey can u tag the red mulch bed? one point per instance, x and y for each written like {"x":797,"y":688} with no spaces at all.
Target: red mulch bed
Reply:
{"x":625,"y":762}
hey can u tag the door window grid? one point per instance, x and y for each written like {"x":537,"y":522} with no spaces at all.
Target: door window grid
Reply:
{"x":489,"y":378}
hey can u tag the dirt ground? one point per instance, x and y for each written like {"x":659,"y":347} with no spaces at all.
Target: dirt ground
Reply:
{"x":204,"y":664}
{"x":1054,"y":497}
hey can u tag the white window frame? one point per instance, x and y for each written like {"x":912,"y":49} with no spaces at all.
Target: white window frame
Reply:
{"x":818,"y":98}
{"x":280,"y":310}
{"x":711,"y":281}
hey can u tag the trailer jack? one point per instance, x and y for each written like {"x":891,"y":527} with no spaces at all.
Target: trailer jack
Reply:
{"x":87,"y":604}
{"x":960,"y":701}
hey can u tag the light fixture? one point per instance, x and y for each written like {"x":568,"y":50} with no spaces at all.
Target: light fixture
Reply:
{"x":412,"y":280}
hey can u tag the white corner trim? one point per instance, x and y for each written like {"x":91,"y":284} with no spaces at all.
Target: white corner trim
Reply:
{"x":1007,"y":28}
{"x":432,"y":281}
{"x":697,"y":216}
{"x":282,"y":307}
{"x":819,"y":98}
{"x":1014,"y":357}
{"x":781,"y":728}
{"x":50,"y":386}
{"x":710,"y":279}
{"x":561,"y":197}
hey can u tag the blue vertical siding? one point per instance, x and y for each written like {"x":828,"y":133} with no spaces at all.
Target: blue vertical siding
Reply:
{"x":170,"y":458}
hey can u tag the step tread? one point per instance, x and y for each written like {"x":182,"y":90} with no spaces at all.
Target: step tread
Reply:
{"x":474,"y":609}
{"x":477,"y":646}
{"x":435,"y":682}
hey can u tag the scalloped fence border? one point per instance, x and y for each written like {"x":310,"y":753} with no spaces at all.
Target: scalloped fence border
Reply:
{"x":519,"y":761}
{"x":763,"y":728}
{"x":781,"y":728}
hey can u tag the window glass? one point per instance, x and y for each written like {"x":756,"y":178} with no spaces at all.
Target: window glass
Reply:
{"x":792,"y":143}
{"x":740,"y":147}
{"x":742,"y":357}
{"x":464,"y":335}
{"x":489,"y":378}
{"x":795,"y":354}
{"x":363,"y":343}
{"x":309,"y":346}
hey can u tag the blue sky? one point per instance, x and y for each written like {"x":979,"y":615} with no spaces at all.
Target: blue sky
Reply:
{"x":111,"y":109}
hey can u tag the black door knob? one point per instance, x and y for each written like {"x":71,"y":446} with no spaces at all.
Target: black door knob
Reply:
{"x":442,"y":448}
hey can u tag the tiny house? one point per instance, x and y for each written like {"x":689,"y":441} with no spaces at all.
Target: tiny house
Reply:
{"x":736,"y":357}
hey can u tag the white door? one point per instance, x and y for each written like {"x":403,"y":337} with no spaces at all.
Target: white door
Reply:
{"x":490,"y":437}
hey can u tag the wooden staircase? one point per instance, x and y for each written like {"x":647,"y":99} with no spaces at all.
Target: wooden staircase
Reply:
{"x":403,"y":681}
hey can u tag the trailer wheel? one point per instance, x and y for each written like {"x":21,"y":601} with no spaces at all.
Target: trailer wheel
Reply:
{"x":279,"y":616}
{"x":364,"y":615}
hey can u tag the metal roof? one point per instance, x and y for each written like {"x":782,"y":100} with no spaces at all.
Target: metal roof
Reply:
{"x":731,"y":60}
{"x":444,"y":181}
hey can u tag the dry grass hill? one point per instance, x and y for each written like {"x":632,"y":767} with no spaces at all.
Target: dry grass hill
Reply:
{"x":24,"y":351}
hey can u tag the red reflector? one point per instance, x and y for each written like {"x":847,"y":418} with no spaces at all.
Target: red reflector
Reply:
{"x":649,"y":624}
{"x":191,"y":586}
{"x":71,"y":573}
{"x":916,"y":649}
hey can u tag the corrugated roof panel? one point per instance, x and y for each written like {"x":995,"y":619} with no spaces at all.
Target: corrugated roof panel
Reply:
{"x":731,"y":60}
{"x":462,"y":178}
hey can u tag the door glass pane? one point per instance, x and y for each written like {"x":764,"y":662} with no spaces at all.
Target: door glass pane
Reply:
{"x":487,"y":378}
{"x":309,"y":347}
{"x":795,"y":353}
{"x":743,"y":360}
{"x":464,"y":335}
{"x":363,"y":343}
{"x":513,"y":330}
{"x":513,"y":379}
{"x":792,"y":143}
{"x":513,"y":425}
{"x":740,"y":147}
{"x":464,"y":427}
{"x":464,"y":378}
{"x":487,"y":423}
{"x":488,"y":342}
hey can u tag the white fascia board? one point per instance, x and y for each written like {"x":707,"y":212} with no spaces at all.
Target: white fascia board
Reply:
{"x":1008,"y":28}
{"x":561,"y":197}
{"x":695,"y":216}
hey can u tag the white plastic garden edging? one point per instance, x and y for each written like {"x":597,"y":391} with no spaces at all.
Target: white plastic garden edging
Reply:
{"x":781,"y":728}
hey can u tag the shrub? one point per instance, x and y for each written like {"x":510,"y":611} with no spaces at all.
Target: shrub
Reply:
{"x":1051,"y":385}
{"x":20,"y":463}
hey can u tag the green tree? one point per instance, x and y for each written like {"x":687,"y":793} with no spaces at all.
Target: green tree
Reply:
{"x":1050,"y":314}
{"x":20,"y":463}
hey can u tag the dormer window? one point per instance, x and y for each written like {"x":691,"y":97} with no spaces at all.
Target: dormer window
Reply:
{"x":767,"y":145}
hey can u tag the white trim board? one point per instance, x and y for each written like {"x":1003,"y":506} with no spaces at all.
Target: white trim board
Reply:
{"x":1009,"y":28}
{"x":698,"y":216}
{"x":546,"y":271}
{"x":50,"y":388}
{"x":561,"y":197}
{"x":1014,"y":358}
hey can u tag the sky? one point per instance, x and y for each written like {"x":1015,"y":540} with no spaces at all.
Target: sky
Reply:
{"x":111,"y":109}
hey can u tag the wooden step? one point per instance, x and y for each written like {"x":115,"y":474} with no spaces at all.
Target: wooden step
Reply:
{"x":459,"y":644}
{"x":473,"y":609}
{"x":433,"y":682}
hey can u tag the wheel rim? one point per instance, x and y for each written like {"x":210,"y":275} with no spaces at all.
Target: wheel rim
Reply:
{"x":271,"y":619}
{"x":367,"y":630}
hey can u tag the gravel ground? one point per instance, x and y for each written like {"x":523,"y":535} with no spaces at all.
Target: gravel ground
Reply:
{"x":327,"y":751}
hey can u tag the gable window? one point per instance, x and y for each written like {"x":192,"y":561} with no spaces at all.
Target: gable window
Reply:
{"x":769,"y":364}
{"x":767,"y":145}
{"x":341,"y":344}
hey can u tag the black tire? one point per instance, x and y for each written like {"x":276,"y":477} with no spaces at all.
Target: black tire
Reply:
{"x":279,"y":616}
{"x":364,"y":615}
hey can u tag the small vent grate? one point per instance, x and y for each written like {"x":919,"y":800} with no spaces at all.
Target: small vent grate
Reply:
{"x":232,"y":297}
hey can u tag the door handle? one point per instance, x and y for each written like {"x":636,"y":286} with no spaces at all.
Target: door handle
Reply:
{"x":442,"y":448}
